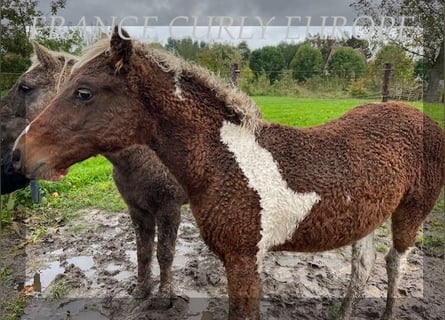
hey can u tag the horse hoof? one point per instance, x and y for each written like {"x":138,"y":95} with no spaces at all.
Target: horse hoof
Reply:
{"x":141,"y":291}
{"x":161,"y":302}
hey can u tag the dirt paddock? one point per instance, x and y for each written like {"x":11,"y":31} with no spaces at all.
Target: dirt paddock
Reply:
{"x":91,"y":263}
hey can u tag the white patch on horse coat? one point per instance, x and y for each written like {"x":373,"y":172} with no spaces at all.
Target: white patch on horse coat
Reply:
{"x":282,"y":208}
{"x":178,"y":90}
{"x":25,"y":131}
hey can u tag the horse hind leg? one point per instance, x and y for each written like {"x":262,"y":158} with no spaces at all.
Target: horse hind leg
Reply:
{"x":394,"y":260}
{"x":405,"y":224}
{"x":363,"y":258}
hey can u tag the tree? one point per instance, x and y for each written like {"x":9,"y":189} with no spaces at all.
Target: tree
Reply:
{"x":71,"y":41}
{"x":16,"y":17}
{"x":422,"y":69}
{"x":219,"y":58}
{"x":347,"y":63}
{"x":327,"y":44}
{"x":402,"y":67}
{"x":427,"y":34}
{"x":288,"y":50}
{"x":268,"y":59}
{"x":306,"y":63}
{"x":360,"y":44}
{"x":186,"y":47}
{"x":244,"y":50}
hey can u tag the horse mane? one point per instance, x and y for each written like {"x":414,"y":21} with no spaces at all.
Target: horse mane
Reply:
{"x":233,"y":98}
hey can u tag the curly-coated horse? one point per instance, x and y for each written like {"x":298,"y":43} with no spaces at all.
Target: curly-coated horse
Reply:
{"x":253,"y":186}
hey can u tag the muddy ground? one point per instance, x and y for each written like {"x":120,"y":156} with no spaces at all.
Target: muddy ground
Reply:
{"x":89,"y":264}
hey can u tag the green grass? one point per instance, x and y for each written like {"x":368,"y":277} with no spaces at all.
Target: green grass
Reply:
{"x":13,"y":309}
{"x":432,"y":244}
{"x":382,"y":247}
{"x":303,"y":112}
{"x":5,"y":274}
{"x":88,"y":184}
{"x":60,"y":288}
{"x":306,"y":112}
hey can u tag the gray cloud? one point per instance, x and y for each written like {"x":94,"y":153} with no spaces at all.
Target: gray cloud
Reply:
{"x":166,"y":10}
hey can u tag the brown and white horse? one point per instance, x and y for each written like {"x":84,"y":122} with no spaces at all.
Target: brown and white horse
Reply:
{"x":152,"y":194}
{"x":253,"y":186}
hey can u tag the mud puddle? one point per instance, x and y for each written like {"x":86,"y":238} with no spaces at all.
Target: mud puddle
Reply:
{"x":95,"y":258}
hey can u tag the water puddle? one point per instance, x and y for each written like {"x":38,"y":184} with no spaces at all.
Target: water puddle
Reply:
{"x":78,"y":310}
{"x":198,"y":304}
{"x":84,"y":263}
{"x":116,"y":271}
{"x":41,"y":279}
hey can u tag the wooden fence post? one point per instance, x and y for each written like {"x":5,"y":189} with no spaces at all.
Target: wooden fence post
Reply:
{"x":234,"y":74}
{"x":385,"y":85}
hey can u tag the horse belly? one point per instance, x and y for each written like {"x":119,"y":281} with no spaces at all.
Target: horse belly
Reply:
{"x":325,"y":229}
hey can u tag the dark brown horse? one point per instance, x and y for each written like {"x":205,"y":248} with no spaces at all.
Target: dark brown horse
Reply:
{"x":153,"y":195}
{"x":253,"y":186}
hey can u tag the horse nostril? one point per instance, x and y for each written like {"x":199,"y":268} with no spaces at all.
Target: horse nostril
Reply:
{"x":16,"y":158}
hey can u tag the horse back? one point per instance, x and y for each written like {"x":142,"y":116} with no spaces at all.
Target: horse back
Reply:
{"x":363,"y":166}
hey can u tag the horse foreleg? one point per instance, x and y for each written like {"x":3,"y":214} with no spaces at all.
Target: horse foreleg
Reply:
{"x":168,"y":219}
{"x":244,"y":287}
{"x":144,"y":227}
{"x":363,"y":258}
{"x":394,"y":260}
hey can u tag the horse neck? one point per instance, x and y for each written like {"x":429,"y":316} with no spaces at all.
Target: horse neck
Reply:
{"x":186,"y":125}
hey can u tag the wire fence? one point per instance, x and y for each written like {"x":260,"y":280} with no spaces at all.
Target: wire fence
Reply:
{"x":325,"y":85}
{"x":316,"y":84}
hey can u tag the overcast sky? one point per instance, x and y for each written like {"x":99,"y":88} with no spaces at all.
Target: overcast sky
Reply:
{"x":270,"y":13}
{"x":165,"y":10}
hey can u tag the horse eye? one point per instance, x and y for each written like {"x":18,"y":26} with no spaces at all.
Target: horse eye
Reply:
{"x":24,"y":88}
{"x":84,"y":94}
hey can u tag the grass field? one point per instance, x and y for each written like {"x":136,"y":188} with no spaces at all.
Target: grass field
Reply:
{"x":89,"y":184}
{"x":303,"y":112}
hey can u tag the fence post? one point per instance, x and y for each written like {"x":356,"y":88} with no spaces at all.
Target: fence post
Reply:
{"x":385,"y":85}
{"x":234,"y":74}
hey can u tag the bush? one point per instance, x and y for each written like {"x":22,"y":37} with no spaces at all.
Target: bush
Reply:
{"x":357,"y":89}
{"x":306,"y":63}
{"x":7,"y":80}
{"x":13,"y":66}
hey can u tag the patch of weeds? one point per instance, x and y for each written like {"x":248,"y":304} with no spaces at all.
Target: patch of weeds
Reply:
{"x":13,"y":309}
{"x":334,"y":311}
{"x":7,"y":209}
{"x":37,"y":234}
{"x":60,"y":288}
{"x":68,"y":215}
{"x":6,"y":273}
{"x":381,"y":247}
{"x":383,"y":231}
{"x":78,"y":228}
{"x":431,"y":244}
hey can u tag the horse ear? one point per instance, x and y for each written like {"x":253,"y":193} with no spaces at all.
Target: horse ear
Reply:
{"x":44,"y":56}
{"x":121,"y":48}
{"x":104,"y":35}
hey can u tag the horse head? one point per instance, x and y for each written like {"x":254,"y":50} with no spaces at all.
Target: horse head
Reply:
{"x":31,"y":92}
